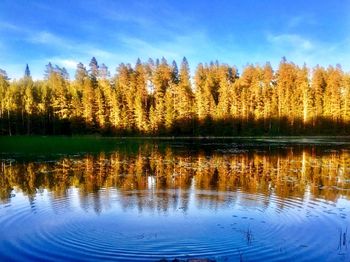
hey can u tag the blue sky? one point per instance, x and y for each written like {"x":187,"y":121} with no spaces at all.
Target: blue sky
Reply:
{"x":114,"y":31}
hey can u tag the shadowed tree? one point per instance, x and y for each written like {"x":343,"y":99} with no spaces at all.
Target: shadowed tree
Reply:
{"x":4,"y":97}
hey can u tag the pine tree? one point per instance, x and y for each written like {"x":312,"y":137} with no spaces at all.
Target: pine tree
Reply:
{"x":203,"y":97}
{"x":318,"y":87}
{"x":28,"y":100}
{"x":27,"y":72}
{"x":125,"y":87}
{"x":84,"y":97}
{"x":247,"y":81}
{"x":100,"y":108}
{"x":169,"y":115}
{"x":61,"y":98}
{"x":332,"y":94}
{"x":269,"y":96}
{"x":227,"y":77}
{"x":183,"y":93}
{"x":103,"y":72}
{"x":94,"y":72}
{"x":161,"y":79}
{"x":346,"y":99}
{"x":141,"y":97}
{"x":305,"y":95}
{"x":4,"y":86}
{"x":286,"y":78}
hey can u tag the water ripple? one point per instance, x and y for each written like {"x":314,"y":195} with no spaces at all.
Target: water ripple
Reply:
{"x":244,"y":228}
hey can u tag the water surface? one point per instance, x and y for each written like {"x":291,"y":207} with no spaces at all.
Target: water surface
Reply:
{"x":219,"y":200}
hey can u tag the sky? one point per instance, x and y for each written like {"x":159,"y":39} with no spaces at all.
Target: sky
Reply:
{"x":235,"y":32}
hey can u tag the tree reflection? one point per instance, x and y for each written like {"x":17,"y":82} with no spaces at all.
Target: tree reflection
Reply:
{"x":159,"y":180}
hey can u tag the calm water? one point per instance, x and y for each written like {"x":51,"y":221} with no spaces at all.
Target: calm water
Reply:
{"x":220,"y":201}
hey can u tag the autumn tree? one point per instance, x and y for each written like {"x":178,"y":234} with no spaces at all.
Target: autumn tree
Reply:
{"x":161,"y":79}
{"x":4,"y":85}
{"x":141,"y":97}
{"x":183,"y":94}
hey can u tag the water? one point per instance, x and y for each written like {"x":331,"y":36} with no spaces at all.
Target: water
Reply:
{"x":218,"y":201}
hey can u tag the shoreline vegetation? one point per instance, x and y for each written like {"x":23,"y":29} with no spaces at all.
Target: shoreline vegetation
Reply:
{"x":156,"y":98}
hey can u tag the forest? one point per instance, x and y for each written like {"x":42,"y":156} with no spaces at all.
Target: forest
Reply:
{"x":158,"y":98}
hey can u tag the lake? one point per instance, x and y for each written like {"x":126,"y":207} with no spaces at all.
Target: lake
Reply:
{"x":262,"y":199}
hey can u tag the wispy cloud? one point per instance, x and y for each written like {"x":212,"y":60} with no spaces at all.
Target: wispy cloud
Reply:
{"x":48,"y":38}
{"x":301,"y":20}
{"x":67,"y":46}
{"x":291,"y":41}
{"x":90,"y":51}
{"x":175,"y":46}
{"x":67,"y":63}
{"x":304,"y":50}
{"x":139,"y":46}
{"x":9,"y":26}
{"x":127,"y":18}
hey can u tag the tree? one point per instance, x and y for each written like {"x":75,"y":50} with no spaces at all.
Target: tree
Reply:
{"x":60,"y":102}
{"x":318,"y":86}
{"x":202,"y":94}
{"x":305,"y":94}
{"x":346,"y":99}
{"x":183,"y":94}
{"x":101,"y":115}
{"x":227,"y":77}
{"x":4,"y":95}
{"x":93,"y":71}
{"x":28,"y":100}
{"x":125,"y":87}
{"x":27,"y":71}
{"x":332,"y":94}
{"x":269,"y":96}
{"x":103,"y":72}
{"x":141,"y":98}
{"x":286,"y":78}
{"x":88,"y":104}
{"x":161,"y":79}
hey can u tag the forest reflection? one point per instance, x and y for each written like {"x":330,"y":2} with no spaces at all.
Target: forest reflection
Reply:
{"x":162,"y":179}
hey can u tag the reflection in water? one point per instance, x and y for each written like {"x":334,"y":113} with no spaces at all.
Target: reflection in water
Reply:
{"x":287,"y":174}
{"x":158,"y":203}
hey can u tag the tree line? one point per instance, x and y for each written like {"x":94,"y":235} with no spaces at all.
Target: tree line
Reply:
{"x":160,"y":98}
